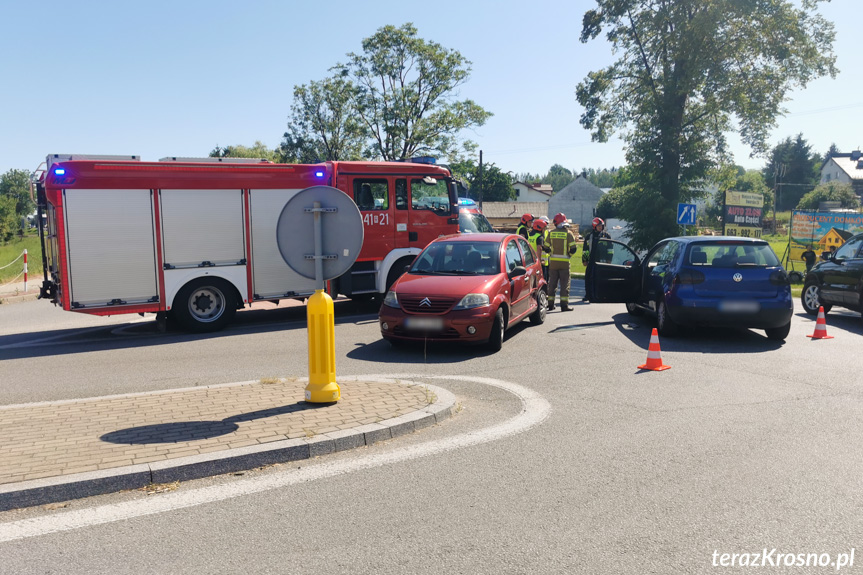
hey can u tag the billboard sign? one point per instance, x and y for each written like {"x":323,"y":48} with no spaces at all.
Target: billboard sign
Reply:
{"x":821,"y":230}
{"x":742,"y":214}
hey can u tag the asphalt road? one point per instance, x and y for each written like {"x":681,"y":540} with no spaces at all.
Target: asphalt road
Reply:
{"x":745,"y":445}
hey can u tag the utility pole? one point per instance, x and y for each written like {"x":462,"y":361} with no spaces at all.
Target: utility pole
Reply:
{"x":479,"y":180}
{"x":779,"y":174}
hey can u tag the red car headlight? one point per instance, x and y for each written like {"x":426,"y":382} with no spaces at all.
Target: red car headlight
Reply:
{"x":391,"y":300}
{"x":472,"y":300}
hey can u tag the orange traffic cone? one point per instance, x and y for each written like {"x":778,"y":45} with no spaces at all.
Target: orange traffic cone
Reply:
{"x":654,"y":361}
{"x":820,"y":326}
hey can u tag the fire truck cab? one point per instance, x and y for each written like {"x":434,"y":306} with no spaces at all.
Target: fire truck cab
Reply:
{"x":196,"y":237}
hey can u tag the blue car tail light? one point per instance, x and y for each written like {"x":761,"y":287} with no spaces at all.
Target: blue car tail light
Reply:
{"x":780,"y":278}
{"x":688,"y":277}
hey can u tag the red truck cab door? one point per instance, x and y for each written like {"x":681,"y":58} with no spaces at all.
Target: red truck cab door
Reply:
{"x":401,"y":214}
{"x":373,"y":196}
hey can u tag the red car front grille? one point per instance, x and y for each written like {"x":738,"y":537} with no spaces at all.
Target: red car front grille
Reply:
{"x":448,"y":333}
{"x":426,"y":304}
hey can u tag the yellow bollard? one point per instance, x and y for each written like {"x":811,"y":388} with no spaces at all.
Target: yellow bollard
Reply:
{"x":322,"y":387}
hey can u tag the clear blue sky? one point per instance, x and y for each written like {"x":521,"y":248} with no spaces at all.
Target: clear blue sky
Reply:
{"x":178,"y":78}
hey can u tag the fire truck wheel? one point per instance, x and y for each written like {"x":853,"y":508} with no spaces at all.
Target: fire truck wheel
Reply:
{"x":396,"y":271}
{"x":205,"y":304}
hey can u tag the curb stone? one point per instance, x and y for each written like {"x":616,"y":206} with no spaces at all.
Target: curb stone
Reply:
{"x":76,"y":486}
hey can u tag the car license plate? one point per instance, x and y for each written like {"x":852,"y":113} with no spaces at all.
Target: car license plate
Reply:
{"x":424,"y":323}
{"x":739,"y":306}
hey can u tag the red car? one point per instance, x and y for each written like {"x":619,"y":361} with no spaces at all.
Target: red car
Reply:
{"x":466,"y":288}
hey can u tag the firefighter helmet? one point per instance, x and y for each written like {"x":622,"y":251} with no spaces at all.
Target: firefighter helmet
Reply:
{"x":598,"y":222}
{"x":539,"y":225}
{"x":545,"y":219}
{"x":526,"y":218}
{"x":559,"y":219}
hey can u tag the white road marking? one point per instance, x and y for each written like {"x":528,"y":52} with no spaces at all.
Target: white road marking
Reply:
{"x":535,"y":410}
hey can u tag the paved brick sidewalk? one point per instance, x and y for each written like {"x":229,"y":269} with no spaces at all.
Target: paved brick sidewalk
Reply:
{"x":140,"y":434}
{"x":15,"y":292}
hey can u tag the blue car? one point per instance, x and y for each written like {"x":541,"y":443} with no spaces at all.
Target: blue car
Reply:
{"x":694,"y":281}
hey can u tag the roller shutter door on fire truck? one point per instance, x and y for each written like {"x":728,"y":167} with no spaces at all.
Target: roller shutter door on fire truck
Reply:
{"x":271,"y":275}
{"x":111,"y":247}
{"x":202,"y":228}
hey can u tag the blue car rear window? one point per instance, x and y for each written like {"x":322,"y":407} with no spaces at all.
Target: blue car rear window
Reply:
{"x":729,"y":255}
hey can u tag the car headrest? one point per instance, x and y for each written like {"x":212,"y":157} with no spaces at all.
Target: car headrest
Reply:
{"x":365,"y":199}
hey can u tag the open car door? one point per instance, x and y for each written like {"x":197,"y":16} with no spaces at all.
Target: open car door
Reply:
{"x":613,"y":273}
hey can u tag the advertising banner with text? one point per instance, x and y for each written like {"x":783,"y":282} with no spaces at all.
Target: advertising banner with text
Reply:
{"x":743,"y":214}
{"x":822,"y":230}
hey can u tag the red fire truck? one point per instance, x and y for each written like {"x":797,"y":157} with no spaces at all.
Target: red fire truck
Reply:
{"x":195,"y":238}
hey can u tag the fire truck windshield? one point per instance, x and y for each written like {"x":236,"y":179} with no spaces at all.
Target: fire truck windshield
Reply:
{"x":434,"y":194}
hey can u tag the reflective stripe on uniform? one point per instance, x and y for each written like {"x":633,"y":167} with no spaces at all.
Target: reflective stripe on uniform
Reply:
{"x":545,"y":255}
{"x":561,"y":240}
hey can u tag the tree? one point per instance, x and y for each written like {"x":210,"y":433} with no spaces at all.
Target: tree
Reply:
{"x":558,"y":177}
{"x":610,"y":204}
{"x":831,"y":151}
{"x":15,"y":184}
{"x":793,"y":170}
{"x":686,"y":69}
{"x":528,"y":178}
{"x":258,"y":150}
{"x":496,"y":185}
{"x":637,"y":194}
{"x":405,"y":94}
{"x":841,"y":192}
{"x":323,"y":125}
{"x":10,"y":221}
{"x":601,"y":178}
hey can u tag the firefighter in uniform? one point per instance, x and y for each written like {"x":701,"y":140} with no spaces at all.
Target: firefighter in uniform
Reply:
{"x":563,"y":245}
{"x":536,"y":237}
{"x":525,"y":225}
{"x":546,"y":253}
{"x":590,"y":245}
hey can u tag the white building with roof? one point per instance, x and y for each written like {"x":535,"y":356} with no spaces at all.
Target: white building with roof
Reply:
{"x":535,"y":192}
{"x":845,"y":168}
{"x":577,"y":201}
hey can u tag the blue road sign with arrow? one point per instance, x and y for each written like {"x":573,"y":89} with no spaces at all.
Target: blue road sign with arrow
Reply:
{"x":686,"y":214}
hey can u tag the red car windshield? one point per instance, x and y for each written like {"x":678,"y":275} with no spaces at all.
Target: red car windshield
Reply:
{"x":458,"y":258}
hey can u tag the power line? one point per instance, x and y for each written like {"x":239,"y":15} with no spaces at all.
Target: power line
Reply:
{"x":540,"y":148}
{"x":582,"y":144}
{"x":831,"y":109}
